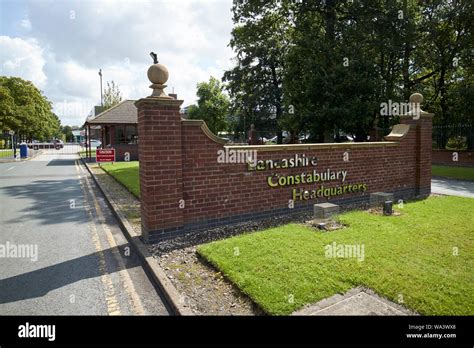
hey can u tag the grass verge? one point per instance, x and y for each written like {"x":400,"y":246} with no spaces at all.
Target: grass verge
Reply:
{"x":83,"y":153}
{"x":8,"y":153}
{"x":462,"y":173}
{"x":125,"y":173}
{"x":423,"y":259}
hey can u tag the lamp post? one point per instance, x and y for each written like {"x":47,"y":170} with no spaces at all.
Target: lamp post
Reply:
{"x":101,"y":99}
{"x":12,"y":133}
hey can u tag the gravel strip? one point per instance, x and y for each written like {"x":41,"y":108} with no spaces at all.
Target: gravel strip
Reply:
{"x":128,"y":204}
{"x":205,"y":290}
{"x":202,"y":237}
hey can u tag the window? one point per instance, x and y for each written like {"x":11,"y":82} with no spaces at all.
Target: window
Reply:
{"x":126,"y":134}
{"x":119,"y":135}
{"x":131,"y":134}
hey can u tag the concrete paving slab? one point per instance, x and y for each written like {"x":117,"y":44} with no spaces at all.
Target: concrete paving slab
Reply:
{"x":357,"y":301}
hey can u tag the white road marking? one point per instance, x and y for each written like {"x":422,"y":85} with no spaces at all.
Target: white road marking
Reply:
{"x":10,"y":168}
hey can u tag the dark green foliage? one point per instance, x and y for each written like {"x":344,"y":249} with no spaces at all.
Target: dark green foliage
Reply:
{"x":334,"y":62}
{"x":212,"y":105}
{"x":24,"y":109}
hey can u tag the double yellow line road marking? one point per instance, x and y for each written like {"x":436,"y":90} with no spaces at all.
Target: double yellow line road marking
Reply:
{"x":113,"y":306}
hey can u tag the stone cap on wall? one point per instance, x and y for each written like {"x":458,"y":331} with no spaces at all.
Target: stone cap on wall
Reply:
{"x":159,"y":100}
{"x":205,"y":129}
{"x":300,"y":147}
{"x":399,"y":131}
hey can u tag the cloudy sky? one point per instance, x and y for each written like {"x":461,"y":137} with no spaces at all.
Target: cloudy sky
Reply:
{"x":60,"y":45}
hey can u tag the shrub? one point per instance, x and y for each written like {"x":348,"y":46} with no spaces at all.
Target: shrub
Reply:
{"x":456,"y":143}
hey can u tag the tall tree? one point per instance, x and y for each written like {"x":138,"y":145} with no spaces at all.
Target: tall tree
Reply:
{"x":112,"y":95}
{"x":28,"y":112}
{"x":7,"y":105}
{"x":337,"y":61}
{"x":212,"y":106}
{"x":330,"y":77}
{"x":260,"y":40}
{"x":67,"y":132}
{"x":447,"y":53}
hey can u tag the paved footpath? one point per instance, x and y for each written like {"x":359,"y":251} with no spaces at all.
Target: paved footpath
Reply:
{"x":452,"y":187}
{"x":83,"y":265}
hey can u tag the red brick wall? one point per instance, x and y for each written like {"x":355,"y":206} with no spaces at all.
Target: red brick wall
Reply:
{"x":445,"y":157}
{"x":121,"y":149}
{"x":178,"y":161}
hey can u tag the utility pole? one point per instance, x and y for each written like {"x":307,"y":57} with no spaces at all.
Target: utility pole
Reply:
{"x":101,"y":98}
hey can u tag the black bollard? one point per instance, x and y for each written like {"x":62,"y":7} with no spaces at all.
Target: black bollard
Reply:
{"x":387,"y":208}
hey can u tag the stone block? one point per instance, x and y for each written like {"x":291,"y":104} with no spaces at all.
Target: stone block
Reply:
{"x":325,"y":210}
{"x":378,"y":198}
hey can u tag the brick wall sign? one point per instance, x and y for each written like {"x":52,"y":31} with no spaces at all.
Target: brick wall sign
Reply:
{"x":190,"y":180}
{"x":310,"y":175}
{"x":105,"y":155}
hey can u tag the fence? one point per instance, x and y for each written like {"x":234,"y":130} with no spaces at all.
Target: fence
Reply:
{"x":6,"y":150}
{"x":453,"y":137}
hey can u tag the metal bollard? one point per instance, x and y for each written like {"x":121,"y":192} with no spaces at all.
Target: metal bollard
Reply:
{"x":388,"y":208}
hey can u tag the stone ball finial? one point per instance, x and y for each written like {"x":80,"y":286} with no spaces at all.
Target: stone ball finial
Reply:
{"x":415,"y":106}
{"x":158,"y":75}
{"x":416,"y":98}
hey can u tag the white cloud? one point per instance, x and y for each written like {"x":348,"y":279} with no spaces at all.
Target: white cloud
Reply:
{"x":70,"y":41}
{"x":19,"y":57}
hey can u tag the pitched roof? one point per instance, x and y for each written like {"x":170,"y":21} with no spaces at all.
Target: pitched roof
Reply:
{"x":123,"y":112}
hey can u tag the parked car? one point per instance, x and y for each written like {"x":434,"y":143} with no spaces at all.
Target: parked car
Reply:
{"x":53,"y":144}
{"x":58,"y":144}
{"x":94,"y":143}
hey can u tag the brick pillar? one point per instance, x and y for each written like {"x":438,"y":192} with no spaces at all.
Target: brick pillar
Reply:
{"x":424,"y":153}
{"x":422,"y":124}
{"x":159,"y":129}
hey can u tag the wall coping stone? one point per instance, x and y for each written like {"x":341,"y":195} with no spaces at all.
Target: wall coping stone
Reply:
{"x":205,"y":129}
{"x":300,"y":147}
{"x":159,"y":100}
{"x":399,"y":131}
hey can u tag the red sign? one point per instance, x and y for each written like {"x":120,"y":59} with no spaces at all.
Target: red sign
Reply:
{"x":104,"y":155}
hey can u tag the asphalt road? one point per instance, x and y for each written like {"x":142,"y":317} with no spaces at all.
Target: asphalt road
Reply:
{"x":83,"y":265}
{"x":452,"y":187}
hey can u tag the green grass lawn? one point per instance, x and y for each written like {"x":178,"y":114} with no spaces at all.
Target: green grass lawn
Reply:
{"x":83,"y":153}
{"x":125,"y":173}
{"x":8,"y":153}
{"x":463,"y":173}
{"x":408,"y":257}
